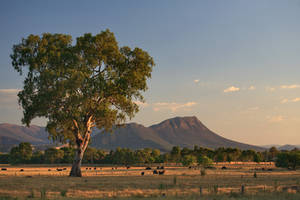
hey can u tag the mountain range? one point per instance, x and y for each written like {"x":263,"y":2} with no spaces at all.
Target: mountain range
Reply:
{"x":178,"y":131}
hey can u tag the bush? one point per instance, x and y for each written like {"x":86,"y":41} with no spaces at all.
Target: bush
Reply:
{"x":189,"y":160}
{"x":288,"y":160}
{"x":205,"y":161}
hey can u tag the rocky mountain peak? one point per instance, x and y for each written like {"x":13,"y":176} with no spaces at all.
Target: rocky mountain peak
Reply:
{"x":190,"y":122}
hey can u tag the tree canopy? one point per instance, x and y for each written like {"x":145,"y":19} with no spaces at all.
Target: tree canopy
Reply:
{"x":80,"y":85}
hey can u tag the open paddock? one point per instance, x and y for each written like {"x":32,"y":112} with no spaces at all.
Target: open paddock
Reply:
{"x":36,"y":182}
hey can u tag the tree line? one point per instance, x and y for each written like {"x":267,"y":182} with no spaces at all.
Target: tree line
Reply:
{"x":24,"y":154}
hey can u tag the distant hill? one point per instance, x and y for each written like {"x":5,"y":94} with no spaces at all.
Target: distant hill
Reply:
{"x":11,"y":135}
{"x":287,"y":147}
{"x":189,"y":131}
{"x":181,"y":131}
{"x":132,"y":135}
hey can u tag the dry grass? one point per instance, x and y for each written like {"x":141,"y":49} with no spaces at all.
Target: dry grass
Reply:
{"x":178,"y":182}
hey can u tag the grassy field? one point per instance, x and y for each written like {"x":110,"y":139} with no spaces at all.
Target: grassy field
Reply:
{"x":238,"y":181}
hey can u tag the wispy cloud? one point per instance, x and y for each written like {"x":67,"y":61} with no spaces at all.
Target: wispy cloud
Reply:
{"x":250,"y":110}
{"x":251,"y":88}
{"x":142,"y":104}
{"x":8,"y":98}
{"x":231,"y":89}
{"x":9,"y":91}
{"x":172,"y":106}
{"x":290,"y":86}
{"x":283,"y":101}
{"x":270,"y":89}
{"x":275,"y":119}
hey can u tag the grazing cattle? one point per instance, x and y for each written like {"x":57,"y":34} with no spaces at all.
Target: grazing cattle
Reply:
{"x":224,"y":167}
{"x":155,"y":172}
{"x":161,"y":172}
{"x":190,"y":167}
{"x":143,"y":173}
{"x":59,"y":170}
{"x":21,"y":170}
{"x":86,"y":168}
{"x":148,"y":168}
{"x":49,"y":170}
{"x":127,"y":167}
{"x":64,"y":168}
{"x":3,"y":169}
{"x":95,"y":168}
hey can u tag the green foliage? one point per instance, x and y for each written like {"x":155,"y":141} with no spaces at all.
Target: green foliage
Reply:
{"x":188,"y":160}
{"x":77,"y":86}
{"x":93,"y":155}
{"x":4,"y":158}
{"x":21,"y":153}
{"x":176,"y":154}
{"x":125,"y":156}
{"x":205,"y":161}
{"x":250,"y":155}
{"x":53,"y":155}
{"x":68,"y":154}
{"x":92,"y":78}
{"x":288,"y":159}
{"x":37,"y":157}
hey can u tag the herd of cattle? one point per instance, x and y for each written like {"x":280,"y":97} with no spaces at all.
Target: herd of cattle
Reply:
{"x":159,"y":169}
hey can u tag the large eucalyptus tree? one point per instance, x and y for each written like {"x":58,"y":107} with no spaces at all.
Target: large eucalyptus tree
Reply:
{"x":77,"y":86}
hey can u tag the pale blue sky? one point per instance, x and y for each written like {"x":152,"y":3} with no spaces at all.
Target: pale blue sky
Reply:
{"x":201,"y":48}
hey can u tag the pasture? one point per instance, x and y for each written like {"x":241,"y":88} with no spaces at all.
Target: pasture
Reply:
{"x":234,"y":181}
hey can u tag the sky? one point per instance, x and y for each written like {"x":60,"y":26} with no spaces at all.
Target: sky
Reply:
{"x":233,"y":64}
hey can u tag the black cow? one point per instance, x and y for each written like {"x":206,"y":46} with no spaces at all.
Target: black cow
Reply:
{"x":161,"y":172}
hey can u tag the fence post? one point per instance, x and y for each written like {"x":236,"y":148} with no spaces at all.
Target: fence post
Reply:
{"x":243,"y":189}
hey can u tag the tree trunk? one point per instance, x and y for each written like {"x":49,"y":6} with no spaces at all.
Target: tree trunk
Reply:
{"x":82,"y":143}
{"x":76,"y":167}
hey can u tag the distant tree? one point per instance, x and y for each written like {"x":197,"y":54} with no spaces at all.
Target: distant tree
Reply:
{"x":273,"y":152}
{"x":176,"y":154}
{"x":205,"y":161}
{"x":21,"y":154}
{"x":68,"y":154}
{"x":155,"y":154}
{"x":37,"y":157}
{"x":220,"y":154}
{"x":188,"y":160}
{"x":93,"y":155}
{"x":248,"y":155}
{"x":53,"y":155}
{"x":288,"y":160}
{"x":233,"y":154}
{"x":257,"y":157}
{"x":80,"y":85}
{"x":4,"y":158}
{"x":185,"y":151}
